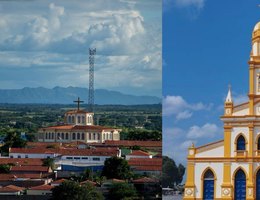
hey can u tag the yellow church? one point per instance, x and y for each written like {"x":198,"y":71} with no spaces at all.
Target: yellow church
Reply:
{"x":230,"y":168}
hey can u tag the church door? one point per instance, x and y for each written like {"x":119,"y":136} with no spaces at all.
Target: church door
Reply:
{"x":240,"y":185}
{"x":258,"y":185}
{"x":208,"y":182}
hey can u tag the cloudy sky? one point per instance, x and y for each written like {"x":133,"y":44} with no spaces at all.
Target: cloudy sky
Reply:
{"x":206,"y":46}
{"x":45,"y":43}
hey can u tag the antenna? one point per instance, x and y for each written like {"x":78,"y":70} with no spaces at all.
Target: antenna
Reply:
{"x":92,"y":53}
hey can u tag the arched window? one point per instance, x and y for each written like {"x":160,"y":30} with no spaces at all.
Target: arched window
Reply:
{"x":258,"y":143}
{"x":52,"y":135}
{"x":58,"y":136}
{"x":62,"y":136}
{"x":240,"y":185}
{"x":241,"y":143}
{"x":208,"y":185}
{"x":78,"y":136}
{"x":67,"y":136}
{"x":73,"y":119}
{"x":89,"y":136}
{"x":79,"y":119}
{"x":73,"y":136}
{"x":69,"y":119}
{"x":83,"y":136}
{"x":94,"y":136}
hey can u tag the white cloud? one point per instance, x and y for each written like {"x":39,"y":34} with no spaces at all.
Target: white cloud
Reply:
{"x":206,"y":131}
{"x":178,"y":107}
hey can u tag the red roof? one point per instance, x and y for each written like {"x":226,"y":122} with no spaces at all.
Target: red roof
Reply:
{"x":21,"y":161}
{"x":68,"y":151}
{"x":42,"y":187}
{"x":76,"y":111}
{"x":59,"y":181}
{"x":148,"y":168}
{"x":139,"y":153}
{"x":11,"y":188}
{"x":6,"y":177}
{"x":29,"y":168}
{"x":130,"y":143}
{"x":145,"y":161}
{"x":145,"y":180}
{"x":78,"y":127}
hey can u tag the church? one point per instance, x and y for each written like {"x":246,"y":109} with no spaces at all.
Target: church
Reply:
{"x":230,"y":168}
{"x":78,"y":126}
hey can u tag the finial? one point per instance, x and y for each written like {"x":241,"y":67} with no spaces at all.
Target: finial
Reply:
{"x":192,"y":145}
{"x":229,"y":96}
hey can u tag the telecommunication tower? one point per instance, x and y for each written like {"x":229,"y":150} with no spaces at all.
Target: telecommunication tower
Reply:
{"x":92,"y":53}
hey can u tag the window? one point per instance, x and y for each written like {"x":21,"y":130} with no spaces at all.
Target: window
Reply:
{"x":11,"y":157}
{"x":258,"y":79}
{"x":52,"y":135}
{"x":73,"y":119}
{"x":46,"y":135}
{"x":83,"y":119}
{"x":69,"y":158}
{"x":98,"y":136}
{"x":73,"y":136}
{"x":110,"y":136}
{"x":78,"y":136}
{"x":258,"y":144}
{"x":62,"y":136}
{"x":67,"y":136}
{"x":84,"y":158}
{"x":94,"y":136}
{"x":58,"y":136}
{"x":83,"y":136}
{"x":49,"y":136}
{"x":89,"y":136}
{"x":18,"y":156}
{"x":241,"y":144}
{"x":208,"y":182}
{"x":26,"y":156}
{"x":96,"y":159}
{"x":79,"y":119}
{"x":69,"y":119}
{"x":76,"y":158}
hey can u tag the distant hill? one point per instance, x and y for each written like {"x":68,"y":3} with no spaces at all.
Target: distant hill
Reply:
{"x":67,"y":95}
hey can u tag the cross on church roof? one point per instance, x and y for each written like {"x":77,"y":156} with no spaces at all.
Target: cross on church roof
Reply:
{"x":78,"y":101}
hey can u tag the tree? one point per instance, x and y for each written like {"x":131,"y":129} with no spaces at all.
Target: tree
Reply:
{"x":171,"y":174}
{"x":4,"y":168}
{"x":49,"y":162}
{"x":120,"y":191}
{"x":12,"y":140}
{"x":115,"y":167}
{"x":71,"y":190}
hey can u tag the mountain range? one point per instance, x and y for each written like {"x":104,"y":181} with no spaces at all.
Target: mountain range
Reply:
{"x":61,"y":95}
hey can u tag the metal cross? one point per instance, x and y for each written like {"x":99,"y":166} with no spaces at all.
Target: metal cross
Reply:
{"x":78,"y":101}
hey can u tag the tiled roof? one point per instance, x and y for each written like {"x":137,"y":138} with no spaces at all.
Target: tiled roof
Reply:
{"x":6,"y":177}
{"x":145,"y":162}
{"x":88,"y":181}
{"x":59,"y":181}
{"x":68,"y":151}
{"x":78,"y":127}
{"x":76,"y":111}
{"x":42,"y":187}
{"x":130,"y":143}
{"x":148,"y":168}
{"x":29,"y":168}
{"x":11,"y":188}
{"x":22,"y":161}
{"x":139,"y":153}
{"x":145,"y":180}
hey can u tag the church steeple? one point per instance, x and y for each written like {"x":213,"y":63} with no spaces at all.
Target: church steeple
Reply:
{"x":229,"y":103}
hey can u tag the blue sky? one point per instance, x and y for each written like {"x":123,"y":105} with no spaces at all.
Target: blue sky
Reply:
{"x":206,"y":46}
{"x":45,"y":43}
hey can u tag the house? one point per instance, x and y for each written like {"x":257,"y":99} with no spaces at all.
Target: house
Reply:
{"x":40,"y":190}
{"x":11,"y":190}
{"x":152,"y":166}
{"x":138,"y":154}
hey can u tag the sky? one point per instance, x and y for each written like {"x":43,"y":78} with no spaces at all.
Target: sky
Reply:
{"x":45,"y":44}
{"x":206,"y":47}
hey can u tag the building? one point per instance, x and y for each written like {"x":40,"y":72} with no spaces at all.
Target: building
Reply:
{"x":79,"y":126}
{"x":229,"y":169}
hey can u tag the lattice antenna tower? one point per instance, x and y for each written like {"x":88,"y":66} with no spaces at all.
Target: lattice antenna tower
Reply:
{"x":92,"y":53}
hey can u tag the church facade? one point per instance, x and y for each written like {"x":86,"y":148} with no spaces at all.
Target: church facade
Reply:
{"x":230,"y":168}
{"x":79,"y":126}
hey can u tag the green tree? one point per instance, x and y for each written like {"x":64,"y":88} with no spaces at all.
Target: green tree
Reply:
{"x":69,"y":190}
{"x":49,"y":162}
{"x":115,"y":167}
{"x":12,"y":140}
{"x":4,"y":168}
{"x":171,"y":174}
{"x":122,"y":191}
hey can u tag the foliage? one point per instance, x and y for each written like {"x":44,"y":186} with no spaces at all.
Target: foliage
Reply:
{"x":49,"y":162}
{"x":115,"y":167}
{"x":171,"y":174}
{"x":4,"y":168}
{"x":139,"y":134}
{"x":120,"y":191}
{"x":72,"y":190}
{"x":12,"y":140}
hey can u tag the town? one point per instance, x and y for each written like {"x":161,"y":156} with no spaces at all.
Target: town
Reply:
{"x":77,"y":154}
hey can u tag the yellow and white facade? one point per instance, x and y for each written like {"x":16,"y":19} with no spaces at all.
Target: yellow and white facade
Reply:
{"x":238,"y":153}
